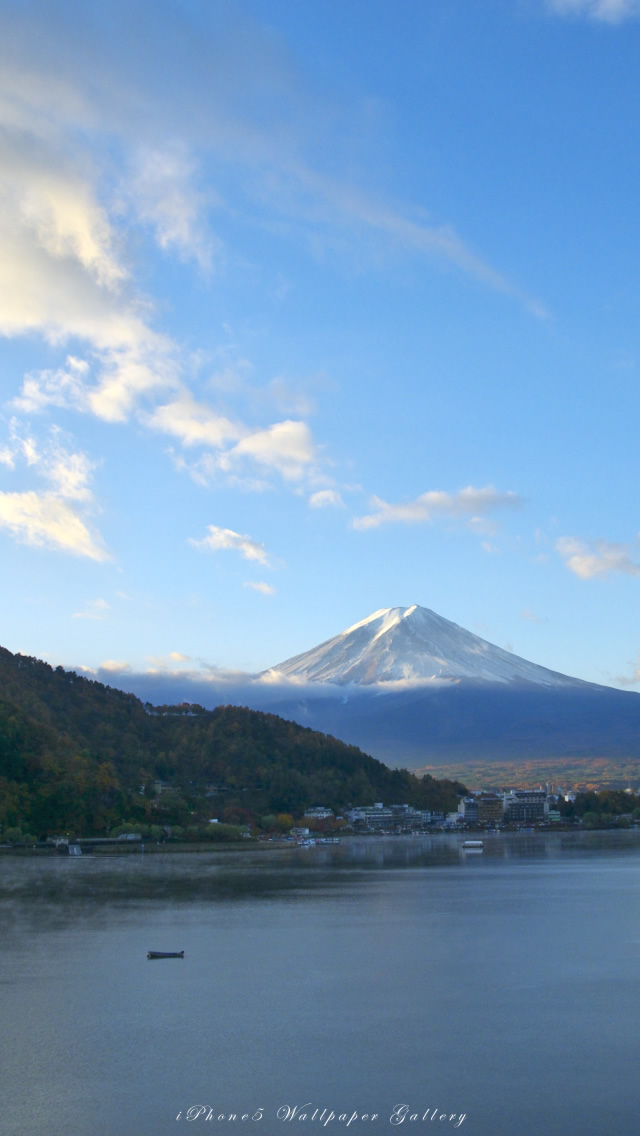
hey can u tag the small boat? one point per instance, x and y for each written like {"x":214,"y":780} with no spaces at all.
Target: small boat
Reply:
{"x":477,"y":844}
{"x":165,"y":954}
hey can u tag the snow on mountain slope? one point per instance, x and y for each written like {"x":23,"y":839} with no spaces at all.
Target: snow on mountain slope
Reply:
{"x":411,"y":644}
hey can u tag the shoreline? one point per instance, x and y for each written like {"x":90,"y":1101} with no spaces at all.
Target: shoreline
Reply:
{"x":154,"y":849}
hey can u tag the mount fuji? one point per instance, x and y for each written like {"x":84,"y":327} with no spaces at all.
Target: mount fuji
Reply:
{"x":413,"y":688}
{"x":412,"y":644}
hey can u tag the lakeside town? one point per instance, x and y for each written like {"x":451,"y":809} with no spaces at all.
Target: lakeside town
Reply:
{"x":544,"y":807}
{"x":512,"y":810}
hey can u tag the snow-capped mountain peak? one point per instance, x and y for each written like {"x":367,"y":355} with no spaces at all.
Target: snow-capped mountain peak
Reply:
{"x":412,"y":644}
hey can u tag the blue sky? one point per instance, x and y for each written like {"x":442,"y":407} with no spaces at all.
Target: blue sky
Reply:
{"x":313,"y":309}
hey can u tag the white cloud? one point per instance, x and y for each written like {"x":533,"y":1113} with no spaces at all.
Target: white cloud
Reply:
{"x":218,"y":538}
{"x":326,"y":498}
{"x":125,"y":376}
{"x":93,"y":609}
{"x":65,"y":386}
{"x":114,"y":666}
{"x":606,"y":11}
{"x":260,"y":586}
{"x":138,"y":363}
{"x":286,"y":447}
{"x":194,"y":423}
{"x":132,"y":370}
{"x":52,"y":204}
{"x":68,"y":474}
{"x":436,"y":503}
{"x":43,"y":520}
{"x":61,"y":302}
{"x":62,"y":269}
{"x":596,"y":558}
{"x":20,"y":448}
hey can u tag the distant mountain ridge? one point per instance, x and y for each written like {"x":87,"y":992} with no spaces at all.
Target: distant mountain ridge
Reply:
{"x":416,"y":690}
{"x":412,"y":644}
{"x":413,"y":689}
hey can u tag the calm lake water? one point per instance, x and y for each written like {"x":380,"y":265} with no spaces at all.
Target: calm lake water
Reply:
{"x":504,"y":986}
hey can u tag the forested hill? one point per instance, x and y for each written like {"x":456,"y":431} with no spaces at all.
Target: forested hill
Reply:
{"x":75,"y":754}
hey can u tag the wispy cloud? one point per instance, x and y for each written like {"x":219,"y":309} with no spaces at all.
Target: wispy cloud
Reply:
{"x":63,"y":387}
{"x":68,"y":473}
{"x":606,"y":11}
{"x":598,"y":558}
{"x":469,"y":504}
{"x":632,"y":679}
{"x":93,"y":609}
{"x":218,"y":539}
{"x":171,"y":663}
{"x":163,"y":194}
{"x":531,"y":616}
{"x":289,"y":397}
{"x":260,"y":586}
{"x":326,"y":499}
{"x":349,"y":204}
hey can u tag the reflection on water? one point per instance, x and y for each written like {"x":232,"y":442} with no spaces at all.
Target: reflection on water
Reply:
{"x":274,"y":871}
{"x":378,"y":971}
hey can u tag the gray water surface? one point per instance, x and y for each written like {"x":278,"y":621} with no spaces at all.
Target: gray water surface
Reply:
{"x":504,"y":986}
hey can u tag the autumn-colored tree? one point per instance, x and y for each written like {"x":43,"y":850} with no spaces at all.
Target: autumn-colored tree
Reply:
{"x":284,"y":821}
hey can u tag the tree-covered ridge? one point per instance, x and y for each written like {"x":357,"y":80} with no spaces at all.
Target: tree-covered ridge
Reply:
{"x":76,"y":754}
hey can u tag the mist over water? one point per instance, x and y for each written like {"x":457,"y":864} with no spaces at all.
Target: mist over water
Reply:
{"x":378,"y":972}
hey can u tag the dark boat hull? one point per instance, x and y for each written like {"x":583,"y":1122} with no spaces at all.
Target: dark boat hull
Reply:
{"x":165,"y":954}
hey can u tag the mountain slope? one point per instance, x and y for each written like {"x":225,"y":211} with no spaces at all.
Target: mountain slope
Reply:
{"x":414,"y":689}
{"x":412,"y":644}
{"x":465,"y":721}
{"x":74,"y":754}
